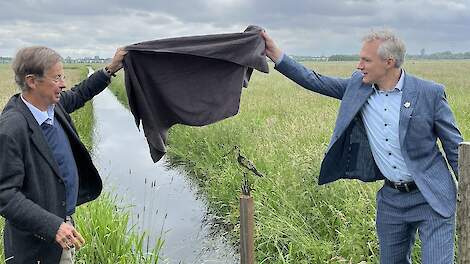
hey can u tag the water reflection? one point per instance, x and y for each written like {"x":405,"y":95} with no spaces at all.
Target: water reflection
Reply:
{"x":163,"y":202}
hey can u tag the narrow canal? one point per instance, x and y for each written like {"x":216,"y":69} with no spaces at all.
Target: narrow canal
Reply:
{"x":163,"y":202}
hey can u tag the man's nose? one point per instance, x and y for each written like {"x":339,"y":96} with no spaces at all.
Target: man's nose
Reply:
{"x":360,"y":66}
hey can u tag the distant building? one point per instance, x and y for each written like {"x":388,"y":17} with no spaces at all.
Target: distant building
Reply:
{"x":5,"y":60}
{"x":68,"y":59}
{"x":310,"y":58}
{"x":87,"y":60}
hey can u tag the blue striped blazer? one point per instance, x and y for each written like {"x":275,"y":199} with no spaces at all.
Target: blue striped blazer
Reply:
{"x":427,"y":118}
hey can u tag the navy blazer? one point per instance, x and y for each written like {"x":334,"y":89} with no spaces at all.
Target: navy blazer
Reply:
{"x":427,"y":119}
{"x":32,"y":191}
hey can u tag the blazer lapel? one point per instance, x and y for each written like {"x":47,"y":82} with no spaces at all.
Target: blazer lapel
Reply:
{"x":351,"y":107}
{"x":37,"y":137}
{"x":408,"y":102}
{"x":365,"y":90}
{"x":60,"y":116}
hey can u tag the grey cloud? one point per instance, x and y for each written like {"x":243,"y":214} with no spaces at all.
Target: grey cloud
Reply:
{"x":86,"y":27}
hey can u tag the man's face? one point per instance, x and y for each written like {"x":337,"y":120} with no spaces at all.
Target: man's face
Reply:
{"x":47,"y":88}
{"x":372,"y":66}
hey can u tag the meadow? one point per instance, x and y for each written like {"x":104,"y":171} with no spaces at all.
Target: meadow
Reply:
{"x":285,"y":131}
{"x":103,"y":224}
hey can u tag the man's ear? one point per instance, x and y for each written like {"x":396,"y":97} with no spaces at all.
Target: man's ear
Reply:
{"x":30,"y":81}
{"x":390,"y":62}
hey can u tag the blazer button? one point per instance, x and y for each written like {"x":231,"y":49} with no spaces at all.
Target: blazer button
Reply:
{"x":63,"y":203}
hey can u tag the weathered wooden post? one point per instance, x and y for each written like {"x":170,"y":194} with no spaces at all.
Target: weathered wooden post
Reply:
{"x":246,"y":226}
{"x":247,"y":222}
{"x":463,"y":204}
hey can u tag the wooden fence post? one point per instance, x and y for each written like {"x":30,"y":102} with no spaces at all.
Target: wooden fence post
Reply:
{"x":246,"y":229}
{"x":463,"y":204}
{"x":247,"y":211}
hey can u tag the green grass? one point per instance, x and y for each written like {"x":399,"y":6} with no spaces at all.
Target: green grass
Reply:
{"x":117,"y":87}
{"x":285,"y":131}
{"x":105,"y":228}
{"x":103,"y":224}
{"x":7,"y":84}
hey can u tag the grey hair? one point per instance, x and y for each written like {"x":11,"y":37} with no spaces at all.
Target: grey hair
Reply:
{"x":391,"y":47}
{"x":33,"y":60}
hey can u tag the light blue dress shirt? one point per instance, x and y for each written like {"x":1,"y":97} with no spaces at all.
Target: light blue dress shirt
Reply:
{"x":381,"y":116}
{"x":41,"y":116}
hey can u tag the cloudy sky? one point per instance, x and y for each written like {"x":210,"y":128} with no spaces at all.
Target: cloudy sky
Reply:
{"x":301,"y":27}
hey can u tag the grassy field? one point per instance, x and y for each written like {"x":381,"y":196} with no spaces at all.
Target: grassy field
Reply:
{"x":7,"y":84}
{"x":104,"y":226}
{"x":285,"y":130}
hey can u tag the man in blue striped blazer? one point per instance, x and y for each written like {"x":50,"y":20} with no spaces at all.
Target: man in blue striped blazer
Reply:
{"x":387,"y":129}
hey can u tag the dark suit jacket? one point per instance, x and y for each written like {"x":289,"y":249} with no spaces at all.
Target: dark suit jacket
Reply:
{"x":32,"y":191}
{"x":191,"y":80}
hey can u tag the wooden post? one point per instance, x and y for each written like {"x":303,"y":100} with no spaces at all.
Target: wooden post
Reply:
{"x":463,"y":204}
{"x":246,"y":229}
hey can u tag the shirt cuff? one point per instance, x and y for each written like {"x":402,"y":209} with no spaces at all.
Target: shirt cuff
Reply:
{"x":106,"y":73}
{"x":279,"y":60}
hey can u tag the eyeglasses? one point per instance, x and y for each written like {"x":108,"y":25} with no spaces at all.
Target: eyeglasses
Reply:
{"x":58,"y":78}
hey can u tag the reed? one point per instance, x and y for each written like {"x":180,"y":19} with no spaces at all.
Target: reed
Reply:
{"x":285,"y":130}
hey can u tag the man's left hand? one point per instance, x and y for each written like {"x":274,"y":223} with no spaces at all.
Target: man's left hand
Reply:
{"x":116,"y":63}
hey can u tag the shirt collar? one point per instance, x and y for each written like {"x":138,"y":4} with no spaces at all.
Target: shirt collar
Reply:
{"x":400,"y":82}
{"x":398,"y":86}
{"x":41,"y":116}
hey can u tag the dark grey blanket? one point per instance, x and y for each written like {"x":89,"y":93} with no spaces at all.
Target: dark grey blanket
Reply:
{"x":190,"y":80}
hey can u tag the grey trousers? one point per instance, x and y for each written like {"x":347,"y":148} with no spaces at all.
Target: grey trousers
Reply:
{"x":399,"y":216}
{"x":68,"y":255}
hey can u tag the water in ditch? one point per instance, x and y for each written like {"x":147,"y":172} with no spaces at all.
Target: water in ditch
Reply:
{"x":162,"y":200}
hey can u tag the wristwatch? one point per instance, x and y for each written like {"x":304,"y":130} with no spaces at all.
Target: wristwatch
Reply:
{"x":108,"y":72}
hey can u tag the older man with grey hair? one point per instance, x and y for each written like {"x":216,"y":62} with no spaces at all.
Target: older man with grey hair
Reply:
{"x":45,"y":170}
{"x":387,"y":129}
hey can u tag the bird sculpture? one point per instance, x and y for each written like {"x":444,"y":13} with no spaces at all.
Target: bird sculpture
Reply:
{"x":247,"y":164}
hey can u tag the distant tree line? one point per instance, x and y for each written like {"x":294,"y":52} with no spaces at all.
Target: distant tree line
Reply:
{"x":340,"y":57}
{"x":446,"y":55}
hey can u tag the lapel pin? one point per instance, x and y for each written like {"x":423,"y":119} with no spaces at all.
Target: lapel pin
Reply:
{"x":407,"y":104}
